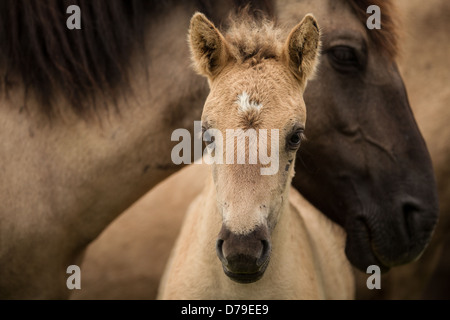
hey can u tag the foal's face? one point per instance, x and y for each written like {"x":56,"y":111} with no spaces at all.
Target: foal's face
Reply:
{"x":251,"y":195}
{"x":259,"y":97}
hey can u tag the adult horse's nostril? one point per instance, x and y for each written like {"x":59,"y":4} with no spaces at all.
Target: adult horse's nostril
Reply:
{"x":219,"y":245}
{"x":410,"y":212}
{"x":265,"y":254}
{"x":409,"y":207}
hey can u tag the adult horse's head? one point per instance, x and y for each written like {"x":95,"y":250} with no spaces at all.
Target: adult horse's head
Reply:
{"x":365,"y":163}
{"x":257,"y":84}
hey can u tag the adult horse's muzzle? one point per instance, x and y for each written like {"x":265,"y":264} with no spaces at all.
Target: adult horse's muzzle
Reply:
{"x":244,"y":257}
{"x":389,"y":241}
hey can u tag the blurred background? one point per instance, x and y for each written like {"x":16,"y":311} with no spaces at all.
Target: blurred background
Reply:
{"x":425,"y":65}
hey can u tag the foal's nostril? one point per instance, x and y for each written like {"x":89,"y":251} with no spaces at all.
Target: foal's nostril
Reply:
{"x":265,"y":254}
{"x":219,"y":250}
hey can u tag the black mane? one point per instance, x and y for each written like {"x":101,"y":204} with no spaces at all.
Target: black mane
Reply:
{"x":37,"y":48}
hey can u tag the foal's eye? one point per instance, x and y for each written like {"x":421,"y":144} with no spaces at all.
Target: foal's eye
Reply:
{"x":207,"y":137}
{"x":294,"y":139}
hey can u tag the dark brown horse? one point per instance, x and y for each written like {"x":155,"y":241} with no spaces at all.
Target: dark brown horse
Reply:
{"x":86,"y":117}
{"x":365,"y":163}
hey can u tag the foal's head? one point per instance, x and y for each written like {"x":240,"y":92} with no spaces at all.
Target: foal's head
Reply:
{"x":253,"y":121}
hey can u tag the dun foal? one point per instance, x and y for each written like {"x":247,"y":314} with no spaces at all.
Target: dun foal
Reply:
{"x":249,"y":235}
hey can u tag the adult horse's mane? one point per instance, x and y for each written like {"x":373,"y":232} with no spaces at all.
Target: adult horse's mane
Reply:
{"x":39,"y":50}
{"x":386,"y":38}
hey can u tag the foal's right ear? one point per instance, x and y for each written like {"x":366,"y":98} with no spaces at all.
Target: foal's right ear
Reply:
{"x":208,"y":46}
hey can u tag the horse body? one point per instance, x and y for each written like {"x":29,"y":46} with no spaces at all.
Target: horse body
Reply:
{"x":307,"y":259}
{"x":65,"y":179}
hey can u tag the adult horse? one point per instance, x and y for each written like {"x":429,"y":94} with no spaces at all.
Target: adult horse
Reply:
{"x":84,"y":120}
{"x":364,"y":164}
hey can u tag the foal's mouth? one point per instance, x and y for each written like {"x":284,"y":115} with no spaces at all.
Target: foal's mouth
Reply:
{"x":246,"y":277}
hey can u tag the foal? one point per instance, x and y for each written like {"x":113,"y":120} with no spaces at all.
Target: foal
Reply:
{"x":249,"y":235}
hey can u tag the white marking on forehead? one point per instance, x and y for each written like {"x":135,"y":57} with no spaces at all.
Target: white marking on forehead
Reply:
{"x":245,"y":105}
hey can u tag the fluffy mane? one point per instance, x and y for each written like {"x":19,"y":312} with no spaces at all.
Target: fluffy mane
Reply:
{"x":253,"y":37}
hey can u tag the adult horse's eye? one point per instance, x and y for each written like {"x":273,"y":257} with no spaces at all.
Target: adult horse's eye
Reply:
{"x":344,"y":58}
{"x":294,"y":139}
{"x":344,"y":54}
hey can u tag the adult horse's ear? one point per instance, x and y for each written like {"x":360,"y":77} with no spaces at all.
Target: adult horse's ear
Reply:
{"x":302,"y":48}
{"x":208,"y":46}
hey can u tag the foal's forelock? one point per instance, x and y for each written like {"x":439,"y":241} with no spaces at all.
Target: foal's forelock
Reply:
{"x":253,"y":39}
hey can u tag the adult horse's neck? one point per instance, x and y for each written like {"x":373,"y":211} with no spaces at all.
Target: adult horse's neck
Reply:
{"x":65,"y":180}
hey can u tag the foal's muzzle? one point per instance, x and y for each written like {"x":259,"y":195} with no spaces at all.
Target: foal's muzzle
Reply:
{"x":244,"y":257}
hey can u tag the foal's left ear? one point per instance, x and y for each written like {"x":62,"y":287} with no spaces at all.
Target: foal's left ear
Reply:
{"x":302,"y":48}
